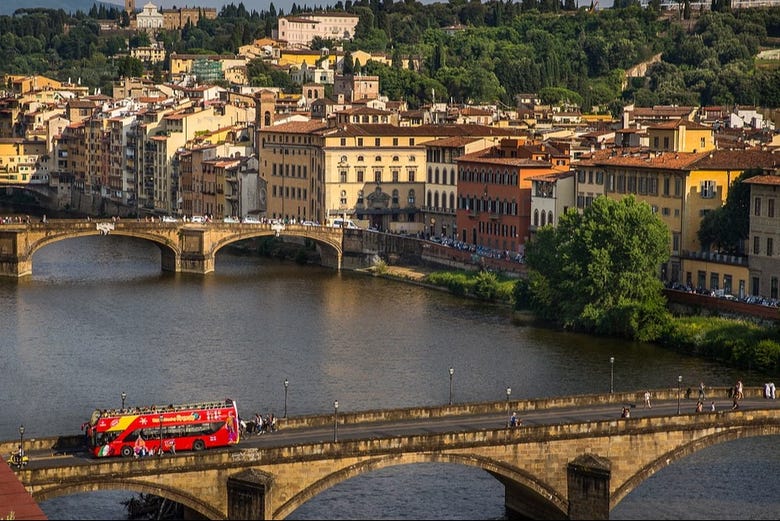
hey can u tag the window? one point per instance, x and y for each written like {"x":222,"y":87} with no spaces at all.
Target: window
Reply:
{"x":707,"y":189}
{"x":342,"y":176}
{"x":343,"y":159}
{"x":377,"y":141}
{"x":377,"y":176}
{"x":676,"y":242}
{"x":580,"y":176}
{"x":702,"y":142}
{"x":599,"y":177}
{"x":378,"y":159}
{"x":360,"y":174}
{"x":395,"y":141}
{"x":411,"y":176}
{"x":411,"y":143}
{"x":655,"y":142}
{"x":773,"y":287}
{"x":666,"y":186}
{"x":343,"y":142}
{"x":360,"y":141}
{"x":395,"y":197}
{"x":770,"y":247}
{"x":665,"y":212}
{"x":410,"y":198}
{"x":756,"y":245}
{"x":666,"y":143}
{"x":677,"y":187}
{"x":343,"y":198}
{"x":770,"y":207}
{"x":757,"y":206}
{"x":360,"y":197}
{"x":395,"y":176}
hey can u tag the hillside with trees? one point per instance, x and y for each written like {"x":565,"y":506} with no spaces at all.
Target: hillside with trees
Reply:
{"x":491,"y":52}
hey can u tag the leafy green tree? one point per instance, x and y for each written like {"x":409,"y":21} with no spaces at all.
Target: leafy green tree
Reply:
{"x":597,"y":271}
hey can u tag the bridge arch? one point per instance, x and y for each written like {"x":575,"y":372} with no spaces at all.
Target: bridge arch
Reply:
{"x":134,"y":485}
{"x":168,"y":248}
{"x":505,"y":473}
{"x":334,"y":246}
{"x":687,"y":449}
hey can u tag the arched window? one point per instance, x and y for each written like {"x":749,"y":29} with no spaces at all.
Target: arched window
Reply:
{"x":436,"y":200}
{"x":436,"y":175}
{"x":430,"y":175}
{"x":536,"y":217}
{"x":452,"y":177}
{"x":549,"y":217}
{"x":360,"y":158}
{"x":343,"y":199}
{"x":452,"y":200}
{"x":430,"y":198}
{"x":395,"y":197}
{"x":267,"y":118}
{"x":544,"y":218}
{"x":411,"y":199}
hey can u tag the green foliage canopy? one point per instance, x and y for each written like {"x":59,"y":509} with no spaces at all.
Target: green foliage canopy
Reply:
{"x":598,"y":271}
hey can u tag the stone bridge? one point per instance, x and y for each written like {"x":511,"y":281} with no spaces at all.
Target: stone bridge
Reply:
{"x":184,"y":247}
{"x":566,"y":470}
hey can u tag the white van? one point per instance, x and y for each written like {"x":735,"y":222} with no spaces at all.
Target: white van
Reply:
{"x":344,"y":223}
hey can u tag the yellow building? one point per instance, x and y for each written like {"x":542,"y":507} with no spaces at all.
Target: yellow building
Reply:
{"x":680,"y":187}
{"x":21,"y":161}
{"x":681,"y":135}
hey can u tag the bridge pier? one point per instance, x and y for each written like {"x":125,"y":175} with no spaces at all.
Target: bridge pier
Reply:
{"x":12,"y":264}
{"x":588,"y":478}
{"x":246,"y":495}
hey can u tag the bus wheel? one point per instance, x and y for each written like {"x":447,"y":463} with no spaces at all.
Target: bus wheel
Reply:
{"x":126,"y":451}
{"x":198,"y":445}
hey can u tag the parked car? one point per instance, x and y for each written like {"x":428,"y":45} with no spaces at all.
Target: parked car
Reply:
{"x":231,"y":220}
{"x":198,"y":219}
{"x":169,"y":219}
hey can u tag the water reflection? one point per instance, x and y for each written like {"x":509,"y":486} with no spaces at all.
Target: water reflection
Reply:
{"x":98,"y":317}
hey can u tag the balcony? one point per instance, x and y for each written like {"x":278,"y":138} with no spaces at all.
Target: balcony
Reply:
{"x":720,"y":258}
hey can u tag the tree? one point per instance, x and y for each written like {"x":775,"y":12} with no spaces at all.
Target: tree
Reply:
{"x":598,"y":271}
{"x":727,"y":227}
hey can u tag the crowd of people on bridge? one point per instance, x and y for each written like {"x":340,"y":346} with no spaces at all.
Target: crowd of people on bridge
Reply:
{"x":258,"y":425}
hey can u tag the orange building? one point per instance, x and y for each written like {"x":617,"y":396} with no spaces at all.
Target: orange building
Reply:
{"x":494,"y":191}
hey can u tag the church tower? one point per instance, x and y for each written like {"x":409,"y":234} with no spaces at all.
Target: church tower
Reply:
{"x":130,"y":6}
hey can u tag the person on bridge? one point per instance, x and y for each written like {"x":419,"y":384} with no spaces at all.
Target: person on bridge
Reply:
{"x":140,"y":447}
{"x":702,"y":395}
{"x":647,"y":400}
{"x":514,"y":421}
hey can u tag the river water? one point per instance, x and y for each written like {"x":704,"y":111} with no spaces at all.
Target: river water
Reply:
{"x":98,"y":317}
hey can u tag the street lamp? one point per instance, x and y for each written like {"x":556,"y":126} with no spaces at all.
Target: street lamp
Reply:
{"x":286,"y":383}
{"x":21,"y":437}
{"x":160,"y":451}
{"x":679,"y":384}
{"x":123,"y":395}
{"x":452,"y":372}
{"x":508,"y":394}
{"x":335,"y":421}
{"x":611,"y":374}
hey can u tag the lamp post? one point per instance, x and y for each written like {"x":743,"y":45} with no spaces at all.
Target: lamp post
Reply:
{"x":21,"y":437}
{"x":508,"y":394}
{"x":335,"y":421}
{"x":160,"y":450}
{"x":679,"y":384}
{"x":611,"y":374}
{"x":123,"y":396}
{"x":286,"y":383}
{"x":452,"y":372}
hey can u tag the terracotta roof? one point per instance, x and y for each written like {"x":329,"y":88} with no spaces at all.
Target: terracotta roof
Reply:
{"x":664,"y":160}
{"x":382,"y":129}
{"x":677,"y":123}
{"x":296,"y":127}
{"x":772,"y":180}
{"x":738,"y":160}
{"x":451,"y":142}
{"x":552,"y":177}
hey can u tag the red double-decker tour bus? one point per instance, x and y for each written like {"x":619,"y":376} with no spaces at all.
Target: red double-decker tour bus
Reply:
{"x":140,"y":431}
